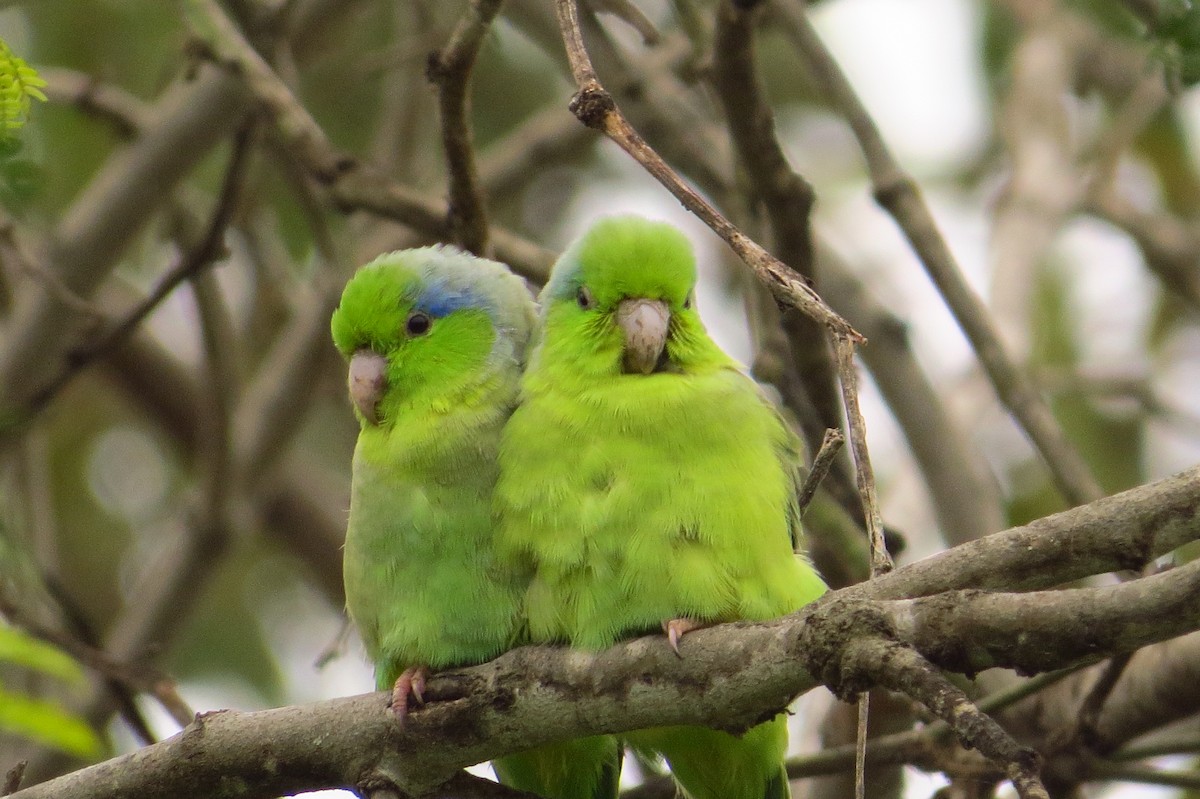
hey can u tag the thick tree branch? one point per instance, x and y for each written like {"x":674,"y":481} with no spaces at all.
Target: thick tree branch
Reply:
{"x":969,"y":631}
{"x":731,"y":677}
{"x":1124,"y":531}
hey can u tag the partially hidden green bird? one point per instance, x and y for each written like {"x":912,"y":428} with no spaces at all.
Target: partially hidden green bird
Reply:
{"x":648,"y":484}
{"x":436,"y":340}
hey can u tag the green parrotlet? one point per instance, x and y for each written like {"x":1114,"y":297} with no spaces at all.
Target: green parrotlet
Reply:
{"x":436,"y":341}
{"x":648,"y":484}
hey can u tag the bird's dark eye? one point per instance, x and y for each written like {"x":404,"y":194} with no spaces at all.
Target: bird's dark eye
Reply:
{"x":418,"y":324}
{"x":584,"y":298}
{"x":689,"y":300}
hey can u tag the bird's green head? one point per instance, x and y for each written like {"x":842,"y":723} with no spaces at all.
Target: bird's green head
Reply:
{"x":422,"y":328}
{"x":621,"y":300}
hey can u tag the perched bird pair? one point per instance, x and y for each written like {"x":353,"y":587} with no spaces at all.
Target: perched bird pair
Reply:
{"x":632,"y":479}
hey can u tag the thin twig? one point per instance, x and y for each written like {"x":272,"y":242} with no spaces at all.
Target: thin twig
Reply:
{"x":881,"y":561}
{"x":1093,"y":703}
{"x":450,"y":70}
{"x":896,"y":192}
{"x":966,"y":497}
{"x":832,"y":442}
{"x":860,"y":745}
{"x":596,"y":108}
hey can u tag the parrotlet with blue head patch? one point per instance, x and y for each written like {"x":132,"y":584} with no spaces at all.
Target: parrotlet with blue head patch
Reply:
{"x":436,"y":341}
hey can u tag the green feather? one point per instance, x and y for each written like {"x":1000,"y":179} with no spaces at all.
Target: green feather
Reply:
{"x":584,"y":768}
{"x":422,"y":583}
{"x":640,"y":498}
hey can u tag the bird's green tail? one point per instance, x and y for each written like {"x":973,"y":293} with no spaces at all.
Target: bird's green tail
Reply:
{"x":710,"y":764}
{"x":585,"y":768}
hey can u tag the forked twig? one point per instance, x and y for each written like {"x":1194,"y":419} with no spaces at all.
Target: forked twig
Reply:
{"x":830,"y":446}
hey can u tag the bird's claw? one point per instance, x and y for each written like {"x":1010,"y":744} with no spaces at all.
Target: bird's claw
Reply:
{"x":410,"y":683}
{"x":677,"y":628}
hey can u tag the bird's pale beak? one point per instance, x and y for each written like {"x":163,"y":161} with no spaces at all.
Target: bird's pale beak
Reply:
{"x":367,"y":381}
{"x":644,"y":324}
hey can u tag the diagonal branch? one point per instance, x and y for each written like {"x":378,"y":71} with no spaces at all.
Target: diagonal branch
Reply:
{"x":595,"y":107}
{"x":204,"y":254}
{"x":902,"y":669}
{"x":899,"y":195}
{"x":786,"y":198}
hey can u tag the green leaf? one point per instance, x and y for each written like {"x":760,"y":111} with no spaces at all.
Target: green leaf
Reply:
{"x":19,"y":83}
{"x":48,"y":724}
{"x":18,"y":647}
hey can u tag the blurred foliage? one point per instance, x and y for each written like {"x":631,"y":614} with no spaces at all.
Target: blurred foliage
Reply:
{"x":41,"y":720}
{"x":19,"y":86}
{"x":1177,"y":34}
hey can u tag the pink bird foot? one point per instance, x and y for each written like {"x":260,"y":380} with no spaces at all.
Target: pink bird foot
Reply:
{"x":677,"y":628}
{"x":410,"y":683}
